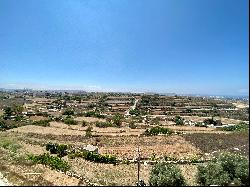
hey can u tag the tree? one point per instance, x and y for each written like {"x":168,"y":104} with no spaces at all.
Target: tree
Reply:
{"x":228,"y":169}
{"x":117,"y":120}
{"x":7,"y":112}
{"x":89,"y":132}
{"x":179,"y":120}
{"x":164,"y":174}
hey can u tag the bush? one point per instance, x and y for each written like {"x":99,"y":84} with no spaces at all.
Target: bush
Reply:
{"x":227,"y":169}
{"x":54,"y":162}
{"x":84,"y":123}
{"x":70,"y":121}
{"x":170,"y":158}
{"x":199,"y":124}
{"x":164,"y":174}
{"x":6,"y":125}
{"x":132,"y":125}
{"x":117,"y":120}
{"x":155,"y":121}
{"x":43,"y":123}
{"x":89,"y":132}
{"x":94,"y":157}
{"x":68,"y":112}
{"x":179,"y":120}
{"x":60,"y":149}
{"x":157,"y":130}
{"x":238,"y":128}
{"x":135,"y":112}
{"x":103,"y":124}
{"x":93,"y":114}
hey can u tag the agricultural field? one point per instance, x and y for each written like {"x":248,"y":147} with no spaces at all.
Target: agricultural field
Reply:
{"x":95,"y":138}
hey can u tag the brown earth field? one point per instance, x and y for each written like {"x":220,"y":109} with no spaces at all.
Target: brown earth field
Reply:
{"x":123,"y":142}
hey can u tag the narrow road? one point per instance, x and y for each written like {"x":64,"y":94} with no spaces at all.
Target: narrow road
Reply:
{"x":132,"y":107}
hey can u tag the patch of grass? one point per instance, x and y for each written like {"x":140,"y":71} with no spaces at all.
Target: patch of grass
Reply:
{"x":9,"y":144}
{"x":54,"y":162}
{"x":241,"y":127}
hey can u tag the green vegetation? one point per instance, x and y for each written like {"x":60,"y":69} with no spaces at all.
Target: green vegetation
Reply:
{"x":68,"y":112}
{"x":200,"y":124}
{"x":54,"y":162}
{"x":9,"y":144}
{"x":179,"y":120}
{"x":241,"y":127}
{"x":93,"y":114}
{"x":7,"y":124}
{"x":164,"y":174}
{"x":132,"y":125}
{"x":94,"y":157}
{"x":89,"y":132}
{"x":170,"y":158}
{"x":103,"y":124}
{"x":227,"y":169}
{"x":44,"y":123}
{"x":157,"y":130}
{"x":211,"y":121}
{"x":70,"y":121}
{"x":59,"y":149}
{"x":117,"y":120}
{"x":155,"y":121}
{"x":135,"y":112}
{"x":84,"y":123}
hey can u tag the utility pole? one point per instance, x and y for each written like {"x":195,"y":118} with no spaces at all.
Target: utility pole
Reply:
{"x":138,"y":164}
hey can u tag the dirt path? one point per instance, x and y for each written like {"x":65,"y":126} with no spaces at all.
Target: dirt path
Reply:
{"x":132,"y":107}
{"x":3,"y":181}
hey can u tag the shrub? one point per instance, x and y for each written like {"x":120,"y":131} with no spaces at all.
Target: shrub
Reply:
{"x":6,"y":125}
{"x":155,"y":121}
{"x":238,"y":128}
{"x":89,"y":132}
{"x":93,"y":114}
{"x":70,"y":121}
{"x":103,"y":124}
{"x":179,"y":120}
{"x":60,"y":149}
{"x":170,"y":158}
{"x":164,"y":174}
{"x":209,"y":121}
{"x":84,"y":123}
{"x":117,"y":120}
{"x":95,"y":157}
{"x":212,"y":174}
{"x":54,"y":162}
{"x":157,"y":130}
{"x":68,"y":112}
{"x":43,"y":123}
{"x":132,"y":125}
{"x":227,"y":169}
{"x":199,"y":124}
{"x":135,"y":112}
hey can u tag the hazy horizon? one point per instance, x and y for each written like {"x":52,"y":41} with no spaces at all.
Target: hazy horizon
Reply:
{"x":162,"y":46}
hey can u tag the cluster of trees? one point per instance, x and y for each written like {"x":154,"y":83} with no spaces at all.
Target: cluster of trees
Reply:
{"x":15,"y":110}
{"x":226,"y":170}
{"x":157,"y":130}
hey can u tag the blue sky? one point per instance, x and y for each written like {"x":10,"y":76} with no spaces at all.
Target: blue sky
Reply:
{"x":181,"y":46}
